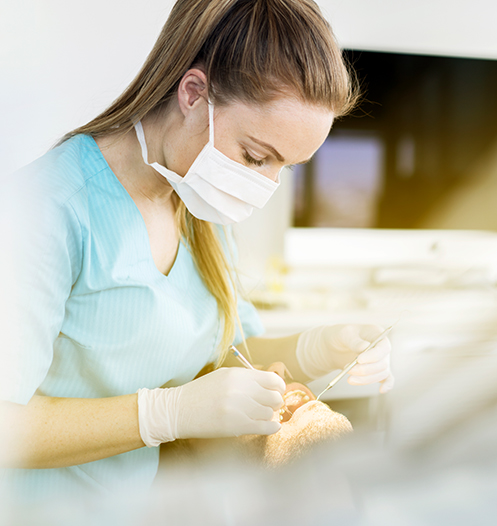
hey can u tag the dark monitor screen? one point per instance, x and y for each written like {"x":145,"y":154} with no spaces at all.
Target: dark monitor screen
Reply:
{"x":422,"y":128}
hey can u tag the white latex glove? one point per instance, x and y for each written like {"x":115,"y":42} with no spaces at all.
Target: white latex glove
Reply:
{"x":227,"y":402}
{"x":331,"y":347}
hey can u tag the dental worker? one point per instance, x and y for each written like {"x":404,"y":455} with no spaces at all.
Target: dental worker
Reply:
{"x":123,"y":285}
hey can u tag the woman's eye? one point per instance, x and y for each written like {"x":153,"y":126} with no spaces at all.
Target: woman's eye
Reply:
{"x":251,"y":160}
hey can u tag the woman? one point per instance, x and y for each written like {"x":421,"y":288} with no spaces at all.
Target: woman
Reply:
{"x":126,"y":287}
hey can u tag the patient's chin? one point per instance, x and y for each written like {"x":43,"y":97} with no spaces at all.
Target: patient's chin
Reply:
{"x":312,"y":422}
{"x":305,"y":422}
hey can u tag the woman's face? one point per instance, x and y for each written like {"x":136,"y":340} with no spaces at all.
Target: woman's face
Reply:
{"x":265,"y":138}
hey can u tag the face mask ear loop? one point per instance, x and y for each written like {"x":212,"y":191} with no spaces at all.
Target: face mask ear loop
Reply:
{"x":140,"y":134}
{"x":211,"y":122}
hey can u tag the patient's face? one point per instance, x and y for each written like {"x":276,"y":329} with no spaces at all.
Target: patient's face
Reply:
{"x":304,"y":421}
{"x":296,"y":395}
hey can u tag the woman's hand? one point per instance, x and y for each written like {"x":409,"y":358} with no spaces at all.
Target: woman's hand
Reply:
{"x":227,"y":402}
{"x":331,"y":347}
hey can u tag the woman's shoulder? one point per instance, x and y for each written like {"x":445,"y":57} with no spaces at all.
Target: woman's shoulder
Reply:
{"x":44,"y":203}
{"x":60,"y":175}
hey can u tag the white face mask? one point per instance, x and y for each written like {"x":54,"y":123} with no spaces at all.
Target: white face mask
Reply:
{"x":216,"y":188}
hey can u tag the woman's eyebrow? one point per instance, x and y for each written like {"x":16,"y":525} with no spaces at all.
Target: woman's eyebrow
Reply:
{"x":273,"y":150}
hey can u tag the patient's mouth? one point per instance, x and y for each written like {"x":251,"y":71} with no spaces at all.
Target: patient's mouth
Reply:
{"x":295,"y":396}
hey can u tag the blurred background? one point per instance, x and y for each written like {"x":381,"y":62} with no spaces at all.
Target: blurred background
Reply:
{"x":395,"y":216}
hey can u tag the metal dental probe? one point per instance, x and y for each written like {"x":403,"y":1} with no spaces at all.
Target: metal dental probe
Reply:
{"x":348,"y":367}
{"x":241,"y":358}
{"x":246,"y":363}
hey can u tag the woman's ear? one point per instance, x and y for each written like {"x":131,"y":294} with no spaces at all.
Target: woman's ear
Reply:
{"x":192,"y":90}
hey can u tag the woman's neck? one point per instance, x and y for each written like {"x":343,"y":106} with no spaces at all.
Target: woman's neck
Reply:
{"x":123,"y":154}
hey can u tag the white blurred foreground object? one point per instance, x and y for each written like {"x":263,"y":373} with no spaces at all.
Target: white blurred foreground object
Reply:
{"x":354,"y":482}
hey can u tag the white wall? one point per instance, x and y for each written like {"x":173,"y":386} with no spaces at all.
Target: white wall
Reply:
{"x":61,"y":62}
{"x":441,"y":27}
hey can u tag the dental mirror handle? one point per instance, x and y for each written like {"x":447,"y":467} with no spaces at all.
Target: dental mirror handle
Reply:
{"x":348,"y":367}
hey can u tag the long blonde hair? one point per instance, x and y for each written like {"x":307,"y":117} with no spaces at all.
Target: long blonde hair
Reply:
{"x":251,"y":51}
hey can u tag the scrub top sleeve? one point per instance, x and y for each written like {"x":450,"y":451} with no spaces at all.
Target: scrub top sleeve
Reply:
{"x":42,"y":244}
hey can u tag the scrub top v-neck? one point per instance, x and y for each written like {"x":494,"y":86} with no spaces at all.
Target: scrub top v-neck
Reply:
{"x":134,"y":210}
{"x":94,"y":316}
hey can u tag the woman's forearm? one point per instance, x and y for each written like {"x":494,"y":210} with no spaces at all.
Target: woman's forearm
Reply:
{"x":58,"y":432}
{"x":265,"y":351}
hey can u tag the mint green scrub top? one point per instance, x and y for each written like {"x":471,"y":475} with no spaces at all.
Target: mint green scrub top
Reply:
{"x":89,"y":313}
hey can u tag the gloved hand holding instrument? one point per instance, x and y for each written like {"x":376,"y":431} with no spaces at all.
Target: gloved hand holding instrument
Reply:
{"x":227,"y":402}
{"x":331,"y":347}
{"x":235,"y":401}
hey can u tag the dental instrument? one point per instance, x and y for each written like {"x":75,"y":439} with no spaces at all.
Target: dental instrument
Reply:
{"x":247,"y":364}
{"x":348,"y":367}
{"x":241,"y":358}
